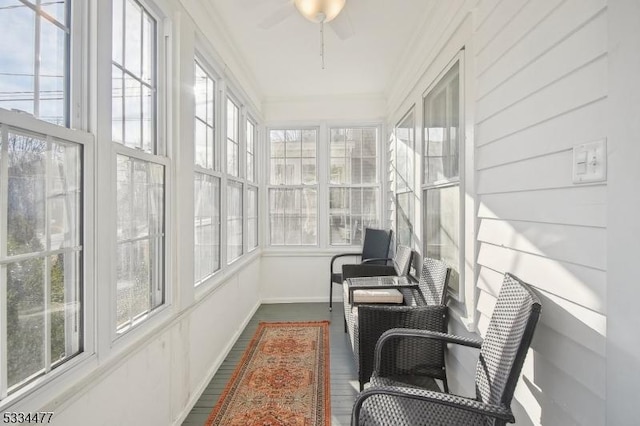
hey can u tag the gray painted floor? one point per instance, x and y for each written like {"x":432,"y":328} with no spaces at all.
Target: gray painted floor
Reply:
{"x":344,"y":382}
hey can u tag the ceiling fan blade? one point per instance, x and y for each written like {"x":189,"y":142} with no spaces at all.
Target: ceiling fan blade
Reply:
{"x":342,"y":26}
{"x":280,"y":14}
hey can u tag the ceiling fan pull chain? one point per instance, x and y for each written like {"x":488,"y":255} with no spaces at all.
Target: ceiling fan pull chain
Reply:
{"x":322,"y":43}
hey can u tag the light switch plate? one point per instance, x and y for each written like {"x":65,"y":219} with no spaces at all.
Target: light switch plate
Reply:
{"x":590,"y":162}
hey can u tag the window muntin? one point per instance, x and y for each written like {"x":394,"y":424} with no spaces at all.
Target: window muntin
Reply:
{"x":40,"y":254}
{"x":251,"y":151}
{"x":353,"y":179}
{"x":234,"y":220}
{"x":293,"y":195}
{"x":205,"y":149}
{"x":441,"y":187}
{"x":140,"y":171}
{"x":34,"y":70}
{"x":404,"y":144}
{"x":206,"y":226}
{"x":233,"y":138}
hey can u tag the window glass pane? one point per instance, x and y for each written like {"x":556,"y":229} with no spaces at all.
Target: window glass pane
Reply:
{"x":250,"y":151}
{"x":133,"y":38}
{"x":442,"y":228}
{"x":140,"y":237}
{"x":234,"y":221}
{"x":232,"y":138}
{"x":293,"y":216}
{"x":252,"y":220}
{"x":34,"y":65}
{"x":56,"y":9}
{"x":442,"y":121}
{"x":353,"y":156}
{"x":117,"y":105}
{"x":404,"y":221}
{"x":43,"y":294}
{"x":25,"y":320}
{"x":133,"y":123}
{"x":52,"y":73}
{"x":27,"y":158}
{"x":204,"y":122}
{"x":206,"y":226}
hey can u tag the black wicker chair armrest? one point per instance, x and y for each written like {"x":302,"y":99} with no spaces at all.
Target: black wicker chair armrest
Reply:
{"x":374,"y":320}
{"x":455,"y":401}
{"x":337,"y":256}
{"x":363,"y":270}
{"x":378,"y":259}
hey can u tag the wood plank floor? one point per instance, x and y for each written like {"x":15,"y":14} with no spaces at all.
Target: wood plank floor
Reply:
{"x":344,"y":377}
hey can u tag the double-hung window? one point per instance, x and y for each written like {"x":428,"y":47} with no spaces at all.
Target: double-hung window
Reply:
{"x":404,"y":153}
{"x":252,"y":187}
{"x":41,"y":195}
{"x":353,"y":183}
{"x":141,"y":163}
{"x":206,"y":179}
{"x":235,"y":197}
{"x":293,"y":187}
{"x":442,"y":166}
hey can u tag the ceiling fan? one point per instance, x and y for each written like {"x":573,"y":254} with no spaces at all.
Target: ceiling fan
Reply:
{"x":322,"y":12}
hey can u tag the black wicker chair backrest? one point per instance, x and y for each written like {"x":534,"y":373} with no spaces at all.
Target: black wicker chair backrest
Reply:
{"x":506,"y":342}
{"x":433,"y":281}
{"x":376,"y":244}
{"x":402,"y":260}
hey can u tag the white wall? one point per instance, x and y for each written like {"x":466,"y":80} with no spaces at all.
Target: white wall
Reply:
{"x":536,"y":86}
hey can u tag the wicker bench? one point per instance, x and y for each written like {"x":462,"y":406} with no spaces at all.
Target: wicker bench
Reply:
{"x":422,"y":307}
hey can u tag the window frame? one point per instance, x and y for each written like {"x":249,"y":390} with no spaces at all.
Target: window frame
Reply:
{"x":302,"y":186}
{"x":460,"y":180}
{"x":409,"y":188}
{"x":159,"y":155}
{"x":377,"y":186}
{"x":27,"y":124}
{"x":214,"y":171}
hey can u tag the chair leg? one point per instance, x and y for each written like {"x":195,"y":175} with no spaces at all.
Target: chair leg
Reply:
{"x":445,"y":384}
{"x":330,"y":295}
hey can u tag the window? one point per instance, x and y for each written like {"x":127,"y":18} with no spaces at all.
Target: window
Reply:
{"x":252,"y":190}
{"x":293,"y":192}
{"x":251,"y":151}
{"x":234,"y":220}
{"x":140,"y":170}
{"x":441,"y":181}
{"x":40,"y":254}
{"x":233,"y":139}
{"x":34,"y":70}
{"x":353,"y":183}
{"x":206,"y":180}
{"x":404,"y":144}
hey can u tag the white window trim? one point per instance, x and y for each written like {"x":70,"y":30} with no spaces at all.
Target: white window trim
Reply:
{"x":462,"y":304}
{"x":411,"y":190}
{"x":163,"y":155}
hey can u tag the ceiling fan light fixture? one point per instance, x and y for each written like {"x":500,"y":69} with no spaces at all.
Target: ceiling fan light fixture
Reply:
{"x":319,"y":11}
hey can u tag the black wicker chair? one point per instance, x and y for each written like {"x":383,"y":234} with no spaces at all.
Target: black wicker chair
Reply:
{"x":375,"y":250}
{"x":423,"y":308}
{"x":502,"y":354}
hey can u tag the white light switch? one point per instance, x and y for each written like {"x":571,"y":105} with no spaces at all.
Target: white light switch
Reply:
{"x":590,"y":162}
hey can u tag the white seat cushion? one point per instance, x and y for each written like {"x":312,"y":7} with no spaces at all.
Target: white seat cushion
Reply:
{"x":383,"y":295}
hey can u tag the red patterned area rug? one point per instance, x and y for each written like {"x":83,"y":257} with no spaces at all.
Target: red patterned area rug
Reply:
{"x":282,"y":379}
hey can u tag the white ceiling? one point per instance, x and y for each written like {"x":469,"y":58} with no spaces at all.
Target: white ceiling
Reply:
{"x":285,"y":58}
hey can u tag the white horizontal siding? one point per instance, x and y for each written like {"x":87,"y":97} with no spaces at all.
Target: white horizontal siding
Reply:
{"x":542,"y":89}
